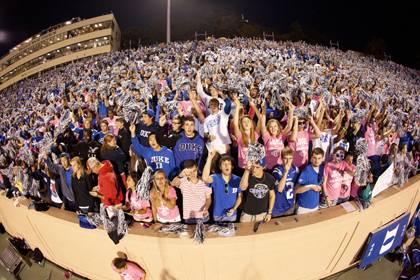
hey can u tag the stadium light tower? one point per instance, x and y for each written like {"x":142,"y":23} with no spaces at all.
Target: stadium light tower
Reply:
{"x":168,"y":21}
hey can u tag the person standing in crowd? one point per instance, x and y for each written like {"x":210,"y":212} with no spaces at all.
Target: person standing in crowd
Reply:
{"x":166,"y":136}
{"x":216,"y":126}
{"x":88,"y":147}
{"x":309,"y":184}
{"x":137,"y":207}
{"x":190,"y":146}
{"x":163,"y":198}
{"x":274,"y":136}
{"x":146,"y":126}
{"x":123,"y":138}
{"x":286,"y":175}
{"x":100,"y":135}
{"x":347,"y":179}
{"x":156,"y":156}
{"x":111,"y":120}
{"x":65,"y":172}
{"x":259,"y":194}
{"x":110,"y":151}
{"x":301,"y":145}
{"x":245,"y":134}
{"x":333,"y":178}
{"x":82,"y":184}
{"x":108,"y":189}
{"x":226,"y":190}
{"x":195,"y":193}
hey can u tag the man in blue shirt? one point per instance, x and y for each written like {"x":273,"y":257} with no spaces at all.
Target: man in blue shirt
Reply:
{"x":309,"y":183}
{"x":226,"y":190}
{"x":285,"y":175}
{"x":190,"y":144}
{"x":156,"y":156}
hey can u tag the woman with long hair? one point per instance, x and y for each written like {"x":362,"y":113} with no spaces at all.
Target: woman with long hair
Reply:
{"x":82,"y":184}
{"x":245,"y":133}
{"x":163,"y":198}
{"x":110,"y":151}
{"x":274,"y":136}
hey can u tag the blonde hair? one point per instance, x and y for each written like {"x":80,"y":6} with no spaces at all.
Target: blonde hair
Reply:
{"x":245,"y":139}
{"x":278,"y":124}
{"x":78,"y":161}
{"x":155,"y":187}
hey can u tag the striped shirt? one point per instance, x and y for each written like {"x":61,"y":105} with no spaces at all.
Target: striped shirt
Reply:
{"x":194,"y":197}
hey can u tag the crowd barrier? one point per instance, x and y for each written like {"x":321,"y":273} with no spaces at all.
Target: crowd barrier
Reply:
{"x":308,"y":246}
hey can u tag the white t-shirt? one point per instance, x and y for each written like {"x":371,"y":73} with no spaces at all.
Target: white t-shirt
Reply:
{"x":217,"y":125}
{"x":324,"y":141}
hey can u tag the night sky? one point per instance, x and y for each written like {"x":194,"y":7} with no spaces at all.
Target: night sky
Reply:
{"x":358,"y":25}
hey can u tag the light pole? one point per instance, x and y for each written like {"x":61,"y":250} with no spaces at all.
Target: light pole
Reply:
{"x":168,"y":21}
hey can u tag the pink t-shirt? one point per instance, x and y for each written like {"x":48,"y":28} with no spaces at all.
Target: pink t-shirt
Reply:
{"x":301,"y":149}
{"x":168,"y":215}
{"x":273,"y":147}
{"x":133,"y":272}
{"x":333,"y":172}
{"x":194,"y":197}
{"x":354,"y":192}
{"x":371,"y":141}
{"x":243,"y":151}
{"x":347,"y":180}
{"x":187,"y":107}
{"x":139,"y":204}
{"x":112,"y":125}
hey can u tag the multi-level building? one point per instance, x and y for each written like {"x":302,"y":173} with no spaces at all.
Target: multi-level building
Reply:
{"x":62,"y":43}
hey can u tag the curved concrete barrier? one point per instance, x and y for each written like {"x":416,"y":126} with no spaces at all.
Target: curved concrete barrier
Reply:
{"x":307,"y":246}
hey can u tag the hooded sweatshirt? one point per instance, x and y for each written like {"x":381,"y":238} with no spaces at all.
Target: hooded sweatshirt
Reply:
{"x":108,"y":185}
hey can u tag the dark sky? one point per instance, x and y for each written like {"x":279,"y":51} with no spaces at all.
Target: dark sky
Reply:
{"x":353,"y":23}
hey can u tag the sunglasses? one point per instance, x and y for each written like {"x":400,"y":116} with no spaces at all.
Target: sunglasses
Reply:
{"x":176,"y":123}
{"x":339,"y":155}
{"x":226,"y":187}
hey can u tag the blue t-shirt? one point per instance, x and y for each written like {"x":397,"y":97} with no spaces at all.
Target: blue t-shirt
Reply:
{"x":224,"y":201}
{"x":163,"y":159}
{"x":310,"y":199}
{"x":285,"y":199}
{"x":69,"y":172}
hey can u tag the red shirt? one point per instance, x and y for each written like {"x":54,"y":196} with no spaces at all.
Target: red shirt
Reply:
{"x":108,"y":185}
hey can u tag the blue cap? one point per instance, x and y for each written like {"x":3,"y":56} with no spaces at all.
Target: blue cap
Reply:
{"x":150,"y":112}
{"x":261,"y":162}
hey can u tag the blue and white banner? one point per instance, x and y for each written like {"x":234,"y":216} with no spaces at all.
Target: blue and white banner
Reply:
{"x":384,"y":240}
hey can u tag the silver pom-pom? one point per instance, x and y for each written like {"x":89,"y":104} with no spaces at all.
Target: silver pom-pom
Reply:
{"x":142,"y":187}
{"x":256,"y":152}
{"x":199,"y":232}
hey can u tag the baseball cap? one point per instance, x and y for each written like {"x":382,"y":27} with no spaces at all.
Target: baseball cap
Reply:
{"x":64,"y":155}
{"x":150,"y":113}
{"x":261,"y":162}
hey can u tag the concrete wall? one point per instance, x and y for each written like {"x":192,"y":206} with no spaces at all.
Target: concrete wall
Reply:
{"x":298,"y":247}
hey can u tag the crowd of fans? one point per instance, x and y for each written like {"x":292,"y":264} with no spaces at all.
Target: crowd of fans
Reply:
{"x":222,"y":130}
